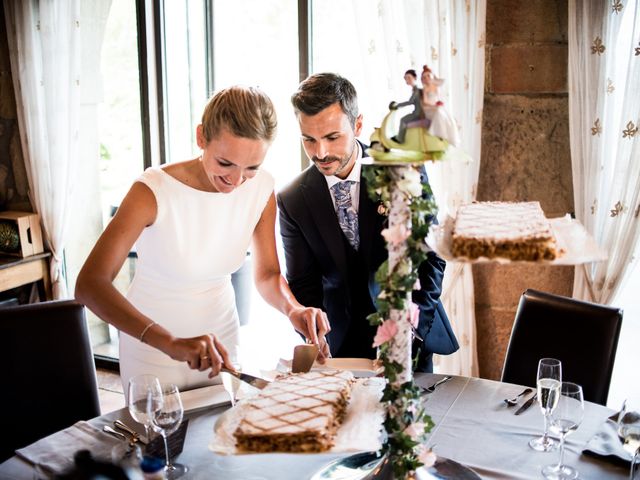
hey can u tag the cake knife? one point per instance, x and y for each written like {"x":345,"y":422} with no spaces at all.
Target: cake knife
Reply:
{"x":256,"y":382}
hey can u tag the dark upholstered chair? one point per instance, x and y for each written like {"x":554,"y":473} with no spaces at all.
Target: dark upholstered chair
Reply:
{"x":582,"y":335}
{"x":48,"y":374}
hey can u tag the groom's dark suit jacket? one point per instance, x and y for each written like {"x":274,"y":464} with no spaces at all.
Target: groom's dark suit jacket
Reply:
{"x":324,"y":271}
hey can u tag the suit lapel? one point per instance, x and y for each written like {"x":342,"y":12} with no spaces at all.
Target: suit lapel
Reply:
{"x":366,"y":220}
{"x":319,"y":203}
{"x":369,"y":220}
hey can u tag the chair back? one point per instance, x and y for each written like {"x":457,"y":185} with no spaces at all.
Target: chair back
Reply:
{"x":582,"y":335}
{"x":48,"y":370}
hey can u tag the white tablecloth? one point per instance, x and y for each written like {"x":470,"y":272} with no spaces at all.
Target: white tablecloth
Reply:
{"x":473,"y":427}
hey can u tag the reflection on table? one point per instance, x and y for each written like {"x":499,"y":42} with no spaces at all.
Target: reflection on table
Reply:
{"x":473,"y":426}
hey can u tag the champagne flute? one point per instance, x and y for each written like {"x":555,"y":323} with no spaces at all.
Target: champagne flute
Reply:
{"x":140,"y":388}
{"x":166,"y":411}
{"x":549,"y":378}
{"x":565,"y":419}
{"x":629,"y":433}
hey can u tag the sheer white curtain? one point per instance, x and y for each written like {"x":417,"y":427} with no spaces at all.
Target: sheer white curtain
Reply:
{"x":604,"y":114}
{"x":44,"y":47}
{"x":449,"y":37}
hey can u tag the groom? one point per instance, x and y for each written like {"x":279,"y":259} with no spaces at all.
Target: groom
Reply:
{"x":331,"y":230}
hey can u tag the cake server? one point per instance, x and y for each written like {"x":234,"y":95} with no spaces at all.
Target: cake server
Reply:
{"x":255,"y":382}
{"x":303,"y":357}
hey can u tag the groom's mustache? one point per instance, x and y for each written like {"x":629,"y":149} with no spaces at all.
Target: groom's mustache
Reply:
{"x":328,"y":159}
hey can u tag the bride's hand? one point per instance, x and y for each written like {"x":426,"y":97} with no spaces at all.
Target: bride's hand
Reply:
{"x":201,"y":353}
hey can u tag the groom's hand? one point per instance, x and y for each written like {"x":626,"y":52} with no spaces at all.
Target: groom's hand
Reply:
{"x":314,"y":325}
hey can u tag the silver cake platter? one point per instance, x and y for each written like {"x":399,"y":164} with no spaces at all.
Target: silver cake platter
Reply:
{"x":372,"y":466}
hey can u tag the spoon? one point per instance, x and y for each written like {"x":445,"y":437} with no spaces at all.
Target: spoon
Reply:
{"x":512,"y":402}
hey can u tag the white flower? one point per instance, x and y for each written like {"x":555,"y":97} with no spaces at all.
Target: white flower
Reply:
{"x":410,"y":183}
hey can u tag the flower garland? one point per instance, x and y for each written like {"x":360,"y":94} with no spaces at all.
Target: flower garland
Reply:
{"x":406,"y":423}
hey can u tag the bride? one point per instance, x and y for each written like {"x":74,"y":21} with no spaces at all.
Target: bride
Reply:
{"x":192,"y":223}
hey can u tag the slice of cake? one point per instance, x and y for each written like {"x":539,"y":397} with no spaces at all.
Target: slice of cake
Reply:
{"x":512,"y":230}
{"x":299,"y":412}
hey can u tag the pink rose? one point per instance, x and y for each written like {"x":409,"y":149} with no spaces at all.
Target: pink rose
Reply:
{"x":386,"y":331}
{"x":414,"y":314}
{"x":427,"y":457}
{"x":415,"y":430}
{"x":396,"y":234}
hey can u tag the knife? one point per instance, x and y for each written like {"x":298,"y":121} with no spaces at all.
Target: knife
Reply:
{"x":527,"y":404}
{"x":256,"y":382}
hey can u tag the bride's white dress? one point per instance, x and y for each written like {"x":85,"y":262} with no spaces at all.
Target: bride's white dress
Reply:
{"x":183,"y":272}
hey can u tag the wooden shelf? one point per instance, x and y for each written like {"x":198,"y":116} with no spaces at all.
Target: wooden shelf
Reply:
{"x":15,"y":272}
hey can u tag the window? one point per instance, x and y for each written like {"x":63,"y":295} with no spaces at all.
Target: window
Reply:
{"x":200,"y":50}
{"x":112,"y":150}
{"x":628,"y":354}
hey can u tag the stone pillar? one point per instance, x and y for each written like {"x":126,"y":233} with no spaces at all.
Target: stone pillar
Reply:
{"x":525,"y":153}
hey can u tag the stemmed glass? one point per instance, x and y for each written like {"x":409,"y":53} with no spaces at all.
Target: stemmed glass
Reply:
{"x":629,"y":433}
{"x":166,"y":411}
{"x":565,"y":419}
{"x":548,"y":380}
{"x":141,"y":387}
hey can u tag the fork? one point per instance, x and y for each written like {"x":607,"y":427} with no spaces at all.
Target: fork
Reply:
{"x":135,"y":436}
{"x":512,"y":402}
{"x":432,"y":388}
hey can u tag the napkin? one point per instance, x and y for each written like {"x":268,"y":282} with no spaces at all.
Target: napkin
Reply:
{"x":205,"y":397}
{"x":606,"y":444}
{"x":360,"y":430}
{"x":55,"y":452}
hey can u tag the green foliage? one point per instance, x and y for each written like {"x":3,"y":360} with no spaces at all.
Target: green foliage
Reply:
{"x":104,"y":152}
{"x":403,"y":401}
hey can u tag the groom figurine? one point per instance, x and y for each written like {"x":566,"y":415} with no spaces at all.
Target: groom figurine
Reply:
{"x":331,"y":230}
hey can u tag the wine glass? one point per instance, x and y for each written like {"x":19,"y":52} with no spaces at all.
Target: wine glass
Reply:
{"x":548,"y":380}
{"x":629,"y":433}
{"x":565,"y":419}
{"x":140,"y":387}
{"x":165,"y":411}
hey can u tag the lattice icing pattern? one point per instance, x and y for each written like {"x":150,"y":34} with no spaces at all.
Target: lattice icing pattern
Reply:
{"x":513,"y":230}
{"x":296,"y":413}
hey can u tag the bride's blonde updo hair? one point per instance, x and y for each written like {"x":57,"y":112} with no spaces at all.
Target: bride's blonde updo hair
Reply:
{"x":245,"y":112}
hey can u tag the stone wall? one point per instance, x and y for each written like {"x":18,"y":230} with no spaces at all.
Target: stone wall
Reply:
{"x":525,"y":153}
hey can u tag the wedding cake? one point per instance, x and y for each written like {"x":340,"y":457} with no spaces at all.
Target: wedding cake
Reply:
{"x":511,"y":230}
{"x":296,"y":413}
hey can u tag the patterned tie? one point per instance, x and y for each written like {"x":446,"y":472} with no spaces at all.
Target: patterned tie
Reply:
{"x":347,"y":217}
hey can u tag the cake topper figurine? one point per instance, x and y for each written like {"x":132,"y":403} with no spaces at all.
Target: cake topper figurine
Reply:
{"x":411,"y":77}
{"x":424,"y":133}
